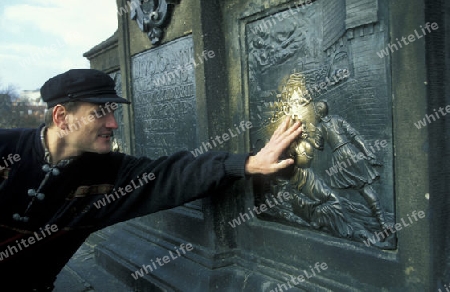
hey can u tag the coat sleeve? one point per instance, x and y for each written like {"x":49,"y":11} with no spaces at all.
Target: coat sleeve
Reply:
{"x":171,"y":181}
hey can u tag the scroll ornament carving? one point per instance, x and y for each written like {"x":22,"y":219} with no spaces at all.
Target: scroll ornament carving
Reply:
{"x":152,"y":16}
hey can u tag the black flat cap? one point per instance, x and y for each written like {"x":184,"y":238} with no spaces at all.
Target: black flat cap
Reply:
{"x":88,"y":85}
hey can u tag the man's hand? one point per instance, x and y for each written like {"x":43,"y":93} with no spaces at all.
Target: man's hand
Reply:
{"x":267,"y":161}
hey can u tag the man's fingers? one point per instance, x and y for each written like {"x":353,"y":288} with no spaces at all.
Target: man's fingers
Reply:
{"x":284,"y":131}
{"x":282,"y":127}
{"x":293,"y":131}
{"x":266,"y":161}
{"x":284,"y":163}
{"x":289,"y":136}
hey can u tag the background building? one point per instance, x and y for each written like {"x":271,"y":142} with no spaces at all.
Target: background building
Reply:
{"x":26,"y":111}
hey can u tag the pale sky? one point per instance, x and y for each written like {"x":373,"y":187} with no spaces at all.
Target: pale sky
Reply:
{"x":42,"y":38}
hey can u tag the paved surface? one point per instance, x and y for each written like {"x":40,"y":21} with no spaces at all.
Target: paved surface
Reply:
{"x":82,"y":274}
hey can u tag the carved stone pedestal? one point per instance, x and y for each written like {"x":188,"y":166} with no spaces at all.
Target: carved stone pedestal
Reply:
{"x":367,"y":199}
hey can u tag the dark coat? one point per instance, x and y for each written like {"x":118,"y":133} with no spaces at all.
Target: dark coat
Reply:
{"x":70,"y":197}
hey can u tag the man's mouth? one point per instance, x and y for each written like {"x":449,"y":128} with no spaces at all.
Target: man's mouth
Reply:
{"x":106,"y":136}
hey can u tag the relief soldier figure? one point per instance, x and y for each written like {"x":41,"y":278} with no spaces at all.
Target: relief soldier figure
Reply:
{"x":353,"y":173}
{"x":314,"y":200}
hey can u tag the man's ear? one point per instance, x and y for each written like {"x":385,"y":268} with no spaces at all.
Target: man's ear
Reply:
{"x":59,"y":116}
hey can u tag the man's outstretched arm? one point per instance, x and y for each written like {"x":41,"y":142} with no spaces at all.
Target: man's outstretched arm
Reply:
{"x":181,"y":177}
{"x":266,"y":161}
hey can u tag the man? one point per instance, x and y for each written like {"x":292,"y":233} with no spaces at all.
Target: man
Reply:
{"x":51,"y":177}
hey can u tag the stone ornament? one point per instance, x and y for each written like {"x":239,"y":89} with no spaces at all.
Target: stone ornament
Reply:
{"x":152,"y":16}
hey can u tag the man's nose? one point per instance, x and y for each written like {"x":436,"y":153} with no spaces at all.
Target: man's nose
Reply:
{"x":111,"y":121}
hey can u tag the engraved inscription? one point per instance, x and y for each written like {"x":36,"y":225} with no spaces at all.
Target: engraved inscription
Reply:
{"x":164,"y":99}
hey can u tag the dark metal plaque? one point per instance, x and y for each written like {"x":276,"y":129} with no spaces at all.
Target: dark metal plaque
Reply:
{"x":305,"y":64}
{"x":164,"y":99}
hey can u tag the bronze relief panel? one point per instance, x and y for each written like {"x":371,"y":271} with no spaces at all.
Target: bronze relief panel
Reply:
{"x":342,"y":180}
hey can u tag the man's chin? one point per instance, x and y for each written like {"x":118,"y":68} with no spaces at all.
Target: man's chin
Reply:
{"x":104,"y":151}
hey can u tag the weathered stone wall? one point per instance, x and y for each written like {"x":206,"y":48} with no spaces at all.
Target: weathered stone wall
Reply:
{"x":256,"y":48}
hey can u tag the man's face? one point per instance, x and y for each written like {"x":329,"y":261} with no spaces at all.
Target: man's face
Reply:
{"x":92,"y":128}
